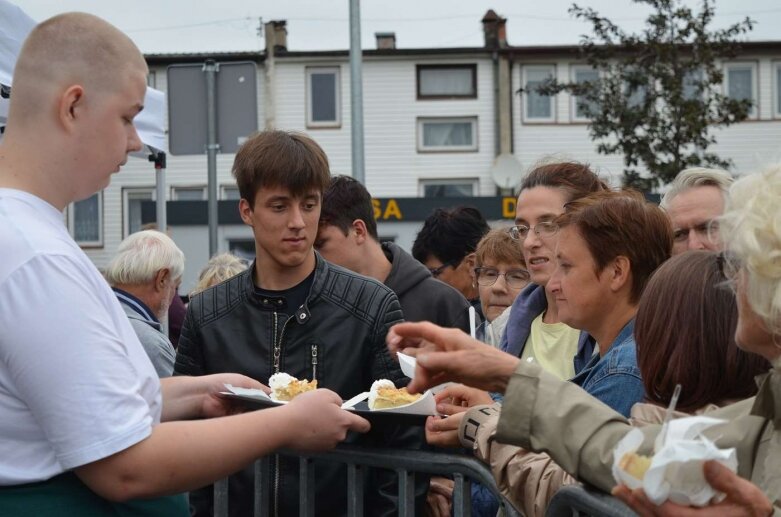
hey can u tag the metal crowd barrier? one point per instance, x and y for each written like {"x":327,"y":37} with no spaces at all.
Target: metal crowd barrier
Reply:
{"x":463,"y":470}
{"x":576,"y":501}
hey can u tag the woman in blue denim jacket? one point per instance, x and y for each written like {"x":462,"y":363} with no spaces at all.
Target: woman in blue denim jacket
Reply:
{"x":608,"y":246}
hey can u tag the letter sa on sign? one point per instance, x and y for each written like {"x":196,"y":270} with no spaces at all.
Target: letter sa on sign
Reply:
{"x":390,"y":210}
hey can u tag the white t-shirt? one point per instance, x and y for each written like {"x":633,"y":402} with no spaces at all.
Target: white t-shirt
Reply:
{"x":75,"y":384}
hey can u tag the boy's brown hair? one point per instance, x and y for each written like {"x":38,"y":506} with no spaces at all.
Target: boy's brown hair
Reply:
{"x":280,"y":159}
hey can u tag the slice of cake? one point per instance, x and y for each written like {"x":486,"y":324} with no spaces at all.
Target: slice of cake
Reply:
{"x":636,"y":465}
{"x":385,"y":395}
{"x":285,"y":387}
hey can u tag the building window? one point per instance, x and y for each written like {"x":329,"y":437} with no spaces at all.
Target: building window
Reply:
{"x":131,"y":207}
{"x":580,"y":107}
{"x":740,"y":83}
{"x":323,"y":106}
{"x":537,"y":107}
{"x":188,"y":193}
{"x":634,"y":98}
{"x":447,"y":134}
{"x":151,"y":79}
{"x":242,"y":248}
{"x":448,"y":188}
{"x":777,"y":87}
{"x":691,"y":88}
{"x":230,"y":193}
{"x":447,"y":81}
{"x":85,"y":221}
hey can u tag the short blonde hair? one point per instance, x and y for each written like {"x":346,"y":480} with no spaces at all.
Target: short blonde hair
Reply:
{"x":219,"y":268}
{"x":141,"y":255}
{"x":751,"y":228}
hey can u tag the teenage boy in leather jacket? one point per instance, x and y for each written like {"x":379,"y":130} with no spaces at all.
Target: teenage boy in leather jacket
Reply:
{"x":294,"y":312}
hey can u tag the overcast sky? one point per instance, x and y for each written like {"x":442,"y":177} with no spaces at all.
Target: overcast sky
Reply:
{"x":193,"y":26}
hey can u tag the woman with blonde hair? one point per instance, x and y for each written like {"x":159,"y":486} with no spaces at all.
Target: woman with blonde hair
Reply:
{"x":219,"y":268}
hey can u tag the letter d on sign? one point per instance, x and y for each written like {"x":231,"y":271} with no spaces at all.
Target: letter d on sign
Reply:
{"x":508,"y":207}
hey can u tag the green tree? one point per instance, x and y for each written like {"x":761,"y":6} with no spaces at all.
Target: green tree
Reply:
{"x":657,"y":95}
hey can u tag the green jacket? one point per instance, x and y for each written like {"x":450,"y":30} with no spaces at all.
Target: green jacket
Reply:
{"x":543,"y":413}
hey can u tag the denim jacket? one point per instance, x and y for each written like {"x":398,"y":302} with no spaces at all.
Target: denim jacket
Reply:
{"x":614,"y":378}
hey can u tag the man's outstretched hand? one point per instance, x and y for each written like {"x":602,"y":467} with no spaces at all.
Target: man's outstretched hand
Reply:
{"x":450,"y":355}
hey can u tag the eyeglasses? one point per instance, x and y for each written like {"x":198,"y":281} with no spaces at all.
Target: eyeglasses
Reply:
{"x":436,"y":271}
{"x":515,"y":278}
{"x":706,"y":231}
{"x":544,"y":229}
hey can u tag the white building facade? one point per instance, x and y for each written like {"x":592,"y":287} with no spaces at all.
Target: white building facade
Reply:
{"x":434,"y":122}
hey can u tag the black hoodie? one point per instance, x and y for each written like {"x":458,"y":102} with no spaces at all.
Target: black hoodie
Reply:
{"x":423,"y":297}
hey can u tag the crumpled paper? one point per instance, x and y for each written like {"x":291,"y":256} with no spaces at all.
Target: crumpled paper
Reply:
{"x":676,"y":471}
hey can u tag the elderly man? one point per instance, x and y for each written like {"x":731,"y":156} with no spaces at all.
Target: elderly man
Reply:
{"x":145,"y":274}
{"x":696,"y":197}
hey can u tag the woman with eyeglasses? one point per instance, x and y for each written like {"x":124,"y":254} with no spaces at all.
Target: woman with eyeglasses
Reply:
{"x":534,"y":331}
{"x":500,"y":274}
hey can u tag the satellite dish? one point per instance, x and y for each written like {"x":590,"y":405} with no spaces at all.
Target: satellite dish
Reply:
{"x":506,"y":171}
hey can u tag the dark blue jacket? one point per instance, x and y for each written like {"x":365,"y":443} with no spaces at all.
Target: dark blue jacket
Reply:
{"x":529,"y":304}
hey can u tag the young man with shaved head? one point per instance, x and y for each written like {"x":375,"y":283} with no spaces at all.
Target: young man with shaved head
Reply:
{"x":80,"y":403}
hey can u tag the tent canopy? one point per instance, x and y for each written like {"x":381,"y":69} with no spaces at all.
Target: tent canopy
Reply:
{"x":15,"y":25}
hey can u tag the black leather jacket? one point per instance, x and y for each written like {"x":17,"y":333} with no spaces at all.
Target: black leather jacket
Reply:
{"x":337,"y":337}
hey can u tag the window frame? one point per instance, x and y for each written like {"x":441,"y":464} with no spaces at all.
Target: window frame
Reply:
{"x":424,"y":182}
{"x":776,"y":67}
{"x":174,"y":196}
{"x":223,"y":192}
{"x":524,"y":108}
{"x":337,"y":71}
{"x":71,"y":214}
{"x":421,"y":148}
{"x":705,"y":91}
{"x":754,"y":66}
{"x":126,"y":204}
{"x":573,"y":99}
{"x":465,"y":66}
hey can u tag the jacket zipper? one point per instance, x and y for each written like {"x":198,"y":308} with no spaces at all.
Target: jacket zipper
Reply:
{"x":277,"y":356}
{"x":314,"y":362}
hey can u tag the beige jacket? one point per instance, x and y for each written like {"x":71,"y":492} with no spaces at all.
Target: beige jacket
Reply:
{"x":530,"y":479}
{"x":542,"y":413}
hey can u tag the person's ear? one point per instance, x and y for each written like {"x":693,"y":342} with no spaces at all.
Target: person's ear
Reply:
{"x":245,"y":210}
{"x":361,"y":233}
{"x":70,"y":106}
{"x":620,"y":271}
{"x":161,"y":279}
{"x":469,"y":262}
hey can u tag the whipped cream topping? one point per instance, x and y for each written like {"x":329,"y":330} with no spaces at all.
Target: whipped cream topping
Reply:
{"x":280,"y":380}
{"x":376,"y":385}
